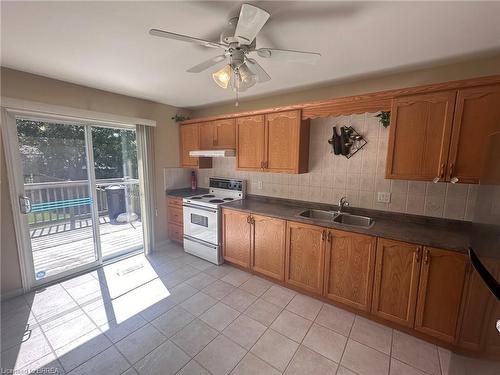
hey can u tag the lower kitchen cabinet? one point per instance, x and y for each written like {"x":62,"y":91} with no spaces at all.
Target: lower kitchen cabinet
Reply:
{"x":477,"y":305}
{"x":440,"y":293}
{"x":349,"y":268}
{"x":397,"y":270}
{"x":268,"y":246}
{"x":236,"y":232}
{"x":305,"y":256}
{"x":175,"y":220}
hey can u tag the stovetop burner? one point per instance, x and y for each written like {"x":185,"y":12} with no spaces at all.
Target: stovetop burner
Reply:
{"x":216,"y":201}
{"x":196,"y":198}
{"x":228,"y":199}
{"x":208,"y":196}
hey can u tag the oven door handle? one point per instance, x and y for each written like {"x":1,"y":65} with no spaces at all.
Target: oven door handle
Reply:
{"x":199,"y":208}
{"x":201,"y":242}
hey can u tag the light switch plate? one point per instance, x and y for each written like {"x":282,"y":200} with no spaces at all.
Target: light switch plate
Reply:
{"x":383,"y":197}
{"x":259,"y":185}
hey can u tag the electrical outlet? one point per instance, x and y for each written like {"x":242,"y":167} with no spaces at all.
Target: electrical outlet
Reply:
{"x":259,"y":185}
{"x":383,"y":197}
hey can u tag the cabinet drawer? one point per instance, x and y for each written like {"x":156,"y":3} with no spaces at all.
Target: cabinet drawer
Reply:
{"x":175,"y":232}
{"x":175,"y":215}
{"x":174,"y":201}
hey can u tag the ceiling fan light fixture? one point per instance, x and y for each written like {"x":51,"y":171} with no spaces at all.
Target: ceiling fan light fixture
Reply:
{"x":245,"y":78}
{"x":223,"y":76}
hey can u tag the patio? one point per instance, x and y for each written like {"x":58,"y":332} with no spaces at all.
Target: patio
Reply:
{"x":57,"y":248}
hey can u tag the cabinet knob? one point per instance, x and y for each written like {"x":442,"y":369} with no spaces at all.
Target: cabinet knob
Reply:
{"x":329,"y":237}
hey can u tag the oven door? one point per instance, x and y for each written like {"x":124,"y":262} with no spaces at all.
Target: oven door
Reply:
{"x":201,"y":223}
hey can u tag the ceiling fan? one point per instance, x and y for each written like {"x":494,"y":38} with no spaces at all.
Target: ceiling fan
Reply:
{"x":238,"y":40}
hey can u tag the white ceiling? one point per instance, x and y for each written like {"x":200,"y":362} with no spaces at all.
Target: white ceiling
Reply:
{"x":106,"y":45}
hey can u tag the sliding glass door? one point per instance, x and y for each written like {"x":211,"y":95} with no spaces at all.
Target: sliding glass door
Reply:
{"x":117,"y":190}
{"x":57,"y":202}
{"x":81,"y":202}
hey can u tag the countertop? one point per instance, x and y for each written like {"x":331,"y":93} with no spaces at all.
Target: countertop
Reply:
{"x":422,"y":230}
{"x":186,"y":192}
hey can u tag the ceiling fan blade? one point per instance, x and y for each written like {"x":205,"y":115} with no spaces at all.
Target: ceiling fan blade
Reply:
{"x":207,"y":64}
{"x":255,"y":67}
{"x":250,"y":22}
{"x":289,"y":55}
{"x":185,"y":38}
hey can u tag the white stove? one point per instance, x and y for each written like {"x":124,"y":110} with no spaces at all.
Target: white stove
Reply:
{"x":202,"y":217}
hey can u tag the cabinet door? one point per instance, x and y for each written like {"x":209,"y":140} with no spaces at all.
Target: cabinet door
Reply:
{"x":305,"y":254}
{"x":419,"y":136}
{"x":397,"y":269}
{"x":350,"y":263}
{"x":224,"y":134}
{"x":476,"y":307}
{"x":190,"y":140}
{"x":440,"y":293}
{"x":207,"y":137}
{"x":477,"y":115}
{"x":250,"y":135}
{"x":282,"y":141}
{"x":268,"y":246}
{"x":236,"y":237}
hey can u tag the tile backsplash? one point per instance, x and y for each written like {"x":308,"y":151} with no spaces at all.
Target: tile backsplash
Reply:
{"x":176,"y":178}
{"x":359,"y":178}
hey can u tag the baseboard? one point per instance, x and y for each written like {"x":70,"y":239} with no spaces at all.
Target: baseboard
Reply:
{"x":11,"y":294}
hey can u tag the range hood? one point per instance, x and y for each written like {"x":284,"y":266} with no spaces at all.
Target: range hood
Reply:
{"x":212,"y":153}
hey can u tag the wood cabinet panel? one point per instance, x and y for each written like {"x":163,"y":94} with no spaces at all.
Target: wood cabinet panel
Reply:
{"x":440,"y":293}
{"x":397,"y":269}
{"x":236,"y":231}
{"x":305,"y":254}
{"x":224,"y":133}
{"x":282,"y":141}
{"x":207,"y":136}
{"x":250,"y":142}
{"x":477,"y":115}
{"x":477,"y":304}
{"x":175,"y":215}
{"x":349,"y":268}
{"x":190,"y":141}
{"x":175,"y":232}
{"x":419,"y":136}
{"x":268,"y":246}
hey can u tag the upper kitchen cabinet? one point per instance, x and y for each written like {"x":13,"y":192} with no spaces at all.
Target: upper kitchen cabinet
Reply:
{"x":250,"y":142}
{"x":190,"y":141}
{"x":442,"y":135}
{"x":419,"y":136}
{"x":477,"y":115}
{"x":218,"y":135}
{"x":276,"y":142}
{"x":287,"y":143}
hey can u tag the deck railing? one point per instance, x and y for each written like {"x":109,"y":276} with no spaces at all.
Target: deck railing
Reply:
{"x":48,"y":193}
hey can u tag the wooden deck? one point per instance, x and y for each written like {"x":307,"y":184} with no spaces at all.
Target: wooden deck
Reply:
{"x":58,"y":248}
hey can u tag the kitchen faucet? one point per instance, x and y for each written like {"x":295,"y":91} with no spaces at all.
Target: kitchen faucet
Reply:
{"x":342,"y":203}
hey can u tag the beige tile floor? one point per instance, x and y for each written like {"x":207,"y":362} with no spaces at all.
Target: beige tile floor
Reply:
{"x":172,"y":313}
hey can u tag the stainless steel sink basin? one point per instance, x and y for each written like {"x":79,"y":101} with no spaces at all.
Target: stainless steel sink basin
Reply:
{"x":318,"y":214}
{"x":343,"y":218}
{"x":354,"y":220}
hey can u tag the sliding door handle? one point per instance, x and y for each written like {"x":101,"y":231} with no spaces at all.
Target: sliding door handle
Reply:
{"x":25,"y":205}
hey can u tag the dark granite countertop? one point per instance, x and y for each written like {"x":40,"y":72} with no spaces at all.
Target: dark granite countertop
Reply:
{"x":422,"y":230}
{"x":186,"y":192}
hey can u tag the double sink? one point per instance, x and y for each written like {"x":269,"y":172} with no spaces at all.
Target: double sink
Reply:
{"x":339,"y":218}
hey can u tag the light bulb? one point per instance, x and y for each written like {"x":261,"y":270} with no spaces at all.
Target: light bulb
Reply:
{"x":246,"y":78}
{"x":223,"y":76}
